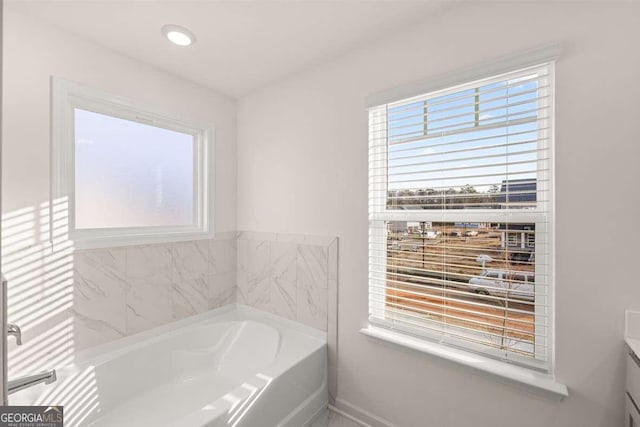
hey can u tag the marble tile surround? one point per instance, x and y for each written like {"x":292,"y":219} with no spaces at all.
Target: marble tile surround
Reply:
{"x":289,"y":275}
{"x":122,"y":291}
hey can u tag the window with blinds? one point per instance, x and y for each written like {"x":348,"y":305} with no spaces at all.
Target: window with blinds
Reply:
{"x":460,"y":216}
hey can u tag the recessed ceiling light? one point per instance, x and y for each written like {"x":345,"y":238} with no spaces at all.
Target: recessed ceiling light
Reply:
{"x":178,"y":35}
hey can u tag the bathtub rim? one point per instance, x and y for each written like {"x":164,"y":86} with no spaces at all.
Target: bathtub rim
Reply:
{"x":112,"y":349}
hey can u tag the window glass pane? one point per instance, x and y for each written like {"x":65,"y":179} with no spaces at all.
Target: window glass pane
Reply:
{"x":451,"y":112}
{"x":129,"y":174}
{"x":469,"y":278}
{"x":472,"y":149}
{"x":406,"y":121}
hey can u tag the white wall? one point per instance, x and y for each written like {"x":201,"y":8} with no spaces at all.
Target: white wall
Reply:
{"x":66,"y":301}
{"x":34,"y":51}
{"x":302,"y":168}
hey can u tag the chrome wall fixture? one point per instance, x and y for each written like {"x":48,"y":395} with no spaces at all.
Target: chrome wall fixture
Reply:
{"x":11,"y":329}
{"x":3,"y":341}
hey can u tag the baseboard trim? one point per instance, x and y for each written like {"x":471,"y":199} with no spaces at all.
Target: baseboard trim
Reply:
{"x":359,"y":415}
{"x":347,"y":416}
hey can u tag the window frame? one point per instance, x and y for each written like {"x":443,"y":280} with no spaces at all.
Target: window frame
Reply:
{"x":416,"y":338}
{"x":65,"y":98}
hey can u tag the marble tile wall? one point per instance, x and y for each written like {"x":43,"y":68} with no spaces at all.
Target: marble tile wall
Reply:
{"x":122,"y":291}
{"x":288,"y":275}
{"x":293,"y":276}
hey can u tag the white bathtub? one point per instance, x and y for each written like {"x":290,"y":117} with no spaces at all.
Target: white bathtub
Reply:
{"x":233,"y":366}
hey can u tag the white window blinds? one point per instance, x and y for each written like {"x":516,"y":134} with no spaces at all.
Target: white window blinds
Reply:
{"x":460,"y":215}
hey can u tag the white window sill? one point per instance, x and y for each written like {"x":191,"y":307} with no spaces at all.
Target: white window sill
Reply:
{"x":539,"y":382}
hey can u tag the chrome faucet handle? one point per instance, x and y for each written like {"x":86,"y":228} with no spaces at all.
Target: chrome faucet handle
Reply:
{"x":14,"y":330}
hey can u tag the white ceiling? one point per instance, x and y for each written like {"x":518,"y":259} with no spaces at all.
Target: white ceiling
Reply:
{"x":242,"y":45}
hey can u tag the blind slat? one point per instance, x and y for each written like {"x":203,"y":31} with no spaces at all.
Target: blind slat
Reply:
{"x":507,"y":135}
{"x":491,"y":181}
{"x":399,"y":308}
{"x":470,"y":149}
{"x":449,"y":294}
{"x":398,"y":107}
{"x":471,"y":312}
{"x":476,"y":121}
{"x":467,"y":177}
{"x":472,"y":104}
{"x":450,"y":331}
{"x":442,"y":131}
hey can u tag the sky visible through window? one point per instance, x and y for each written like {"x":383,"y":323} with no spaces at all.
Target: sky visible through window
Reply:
{"x":130,"y":174}
{"x":459,"y":139}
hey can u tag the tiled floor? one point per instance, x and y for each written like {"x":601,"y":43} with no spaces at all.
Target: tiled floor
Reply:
{"x":331,"y":419}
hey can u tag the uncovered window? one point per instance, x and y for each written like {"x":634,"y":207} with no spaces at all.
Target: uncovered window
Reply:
{"x":125,"y":174}
{"x":460,"y":216}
